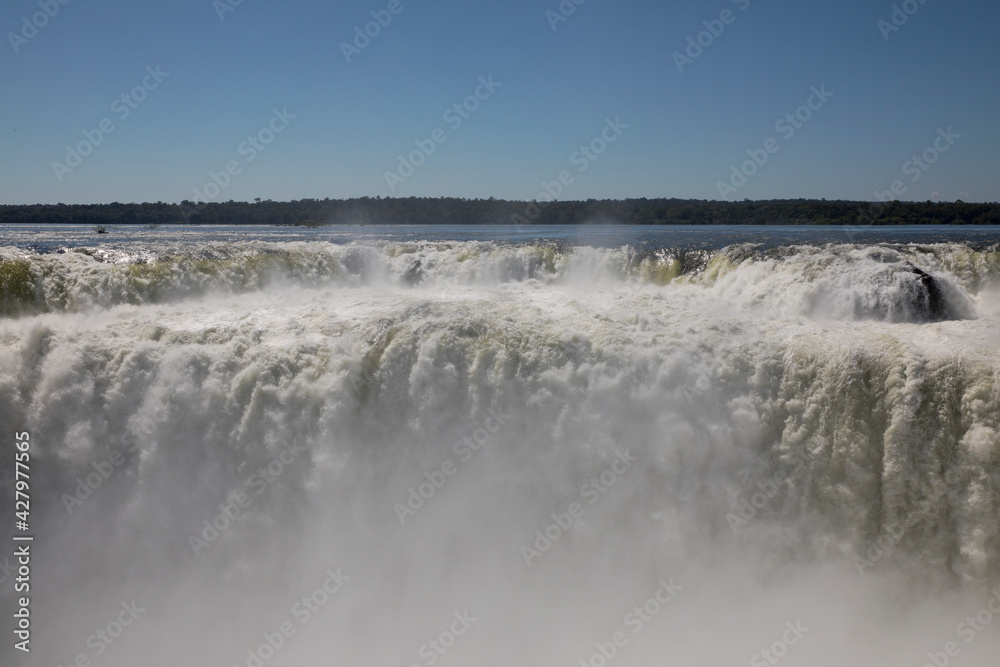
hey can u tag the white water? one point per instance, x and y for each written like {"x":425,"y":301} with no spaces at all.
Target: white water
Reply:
{"x":811,"y":375}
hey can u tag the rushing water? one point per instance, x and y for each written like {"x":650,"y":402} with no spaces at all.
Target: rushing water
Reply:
{"x":514,"y":444}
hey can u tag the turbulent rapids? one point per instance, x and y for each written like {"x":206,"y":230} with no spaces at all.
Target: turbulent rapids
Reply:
{"x":847,"y":282}
{"x":493,"y":454}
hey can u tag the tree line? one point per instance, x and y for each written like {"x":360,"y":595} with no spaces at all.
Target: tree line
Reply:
{"x":452,"y":211}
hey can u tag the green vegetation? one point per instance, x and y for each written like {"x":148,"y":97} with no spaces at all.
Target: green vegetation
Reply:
{"x":17,"y":286}
{"x":429,"y":211}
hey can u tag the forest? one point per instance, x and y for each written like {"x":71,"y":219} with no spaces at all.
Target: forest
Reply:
{"x":455,"y":211}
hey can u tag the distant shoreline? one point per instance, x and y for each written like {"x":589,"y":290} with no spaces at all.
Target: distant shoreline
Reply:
{"x":454,"y":211}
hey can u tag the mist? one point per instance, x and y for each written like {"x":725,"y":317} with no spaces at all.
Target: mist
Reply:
{"x":529,"y":455}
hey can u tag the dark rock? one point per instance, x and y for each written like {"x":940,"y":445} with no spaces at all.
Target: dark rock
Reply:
{"x":929,"y":299}
{"x":414,"y":274}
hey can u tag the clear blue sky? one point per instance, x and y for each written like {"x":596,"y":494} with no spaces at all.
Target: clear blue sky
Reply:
{"x":609,"y":59}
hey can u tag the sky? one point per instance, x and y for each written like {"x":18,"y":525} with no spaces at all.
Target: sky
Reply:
{"x":208,"y":100}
